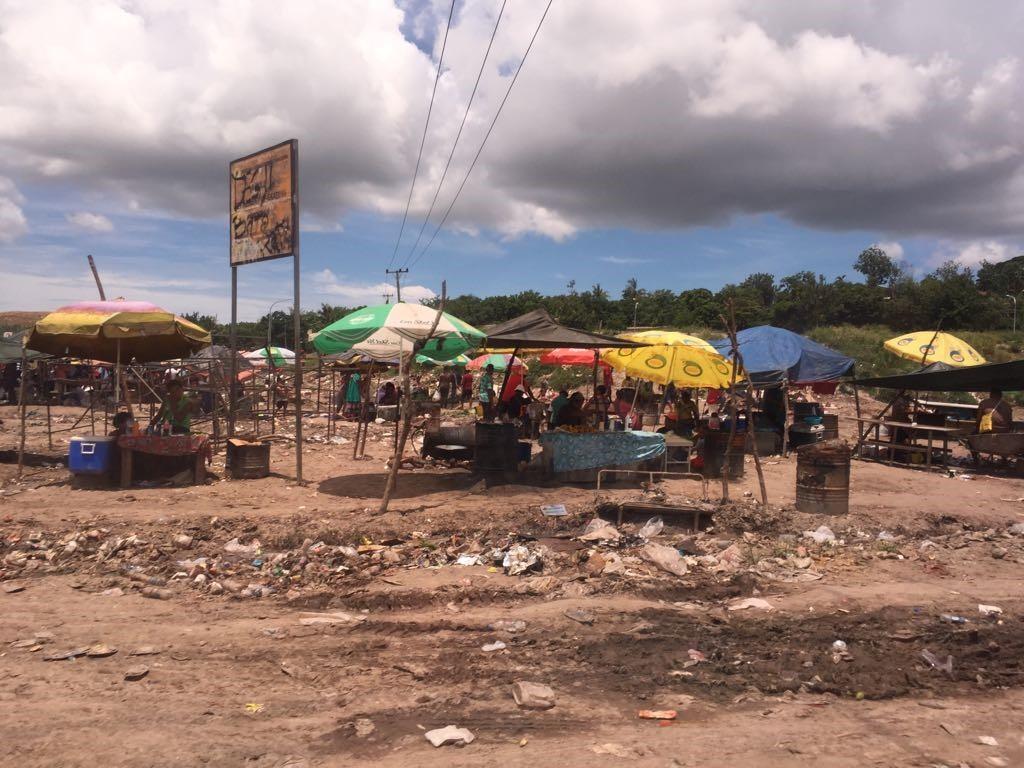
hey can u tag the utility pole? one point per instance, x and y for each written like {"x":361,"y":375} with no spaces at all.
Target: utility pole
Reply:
{"x":398,"y":281}
{"x":1010,"y":297}
{"x":96,"y":276}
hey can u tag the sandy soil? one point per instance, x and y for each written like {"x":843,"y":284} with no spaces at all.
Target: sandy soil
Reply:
{"x":315,"y":633}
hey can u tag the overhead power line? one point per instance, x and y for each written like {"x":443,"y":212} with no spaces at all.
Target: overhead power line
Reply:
{"x":423,"y":140}
{"x":458,"y":135}
{"x":487,"y":135}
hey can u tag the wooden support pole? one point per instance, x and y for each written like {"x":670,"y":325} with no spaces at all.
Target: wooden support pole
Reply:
{"x":407,"y":410}
{"x":21,"y":407}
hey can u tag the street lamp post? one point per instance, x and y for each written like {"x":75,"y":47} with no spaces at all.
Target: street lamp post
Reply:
{"x":1013,"y":298}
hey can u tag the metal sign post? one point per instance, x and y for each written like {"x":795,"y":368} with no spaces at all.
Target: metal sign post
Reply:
{"x":265,"y":225}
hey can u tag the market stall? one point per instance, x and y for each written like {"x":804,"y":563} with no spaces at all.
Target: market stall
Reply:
{"x":576,"y":456}
{"x":920,"y":436}
{"x":196,"y":447}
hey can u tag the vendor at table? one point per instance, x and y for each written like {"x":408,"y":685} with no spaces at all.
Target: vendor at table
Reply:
{"x":994,"y":413}
{"x":177,"y":409}
{"x":571,"y":414}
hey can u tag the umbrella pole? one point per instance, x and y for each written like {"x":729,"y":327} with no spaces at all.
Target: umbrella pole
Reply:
{"x":508,"y":372}
{"x":785,"y":420}
{"x":117,"y":380}
{"x":21,"y":406}
{"x":407,"y":416}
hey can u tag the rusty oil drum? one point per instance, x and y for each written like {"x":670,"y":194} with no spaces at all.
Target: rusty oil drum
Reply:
{"x":823,"y":478}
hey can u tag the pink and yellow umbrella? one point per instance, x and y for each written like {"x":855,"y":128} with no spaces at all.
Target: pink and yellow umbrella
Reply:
{"x":117,"y":331}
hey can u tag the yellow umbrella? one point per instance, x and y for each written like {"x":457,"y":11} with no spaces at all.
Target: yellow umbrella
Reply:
{"x":926,"y":347}
{"x":685,"y":365}
{"x":670,"y":338}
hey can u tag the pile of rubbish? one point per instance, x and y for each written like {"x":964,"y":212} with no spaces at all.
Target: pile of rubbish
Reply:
{"x":214,"y":558}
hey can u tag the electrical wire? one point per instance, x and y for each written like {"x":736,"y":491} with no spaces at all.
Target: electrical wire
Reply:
{"x":486,"y":136}
{"x":451,"y":154}
{"x":423,"y":140}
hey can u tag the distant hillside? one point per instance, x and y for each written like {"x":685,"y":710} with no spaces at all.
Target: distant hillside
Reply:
{"x":17,"y":321}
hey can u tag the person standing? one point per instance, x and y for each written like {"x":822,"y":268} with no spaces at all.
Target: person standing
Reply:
{"x":177,"y":410}
{"x":467,"y":388}
{"x":485,"y":392}
{"x":444,"y":387}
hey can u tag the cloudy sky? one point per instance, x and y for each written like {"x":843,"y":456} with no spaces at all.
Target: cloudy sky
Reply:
{"x":684,"y":142}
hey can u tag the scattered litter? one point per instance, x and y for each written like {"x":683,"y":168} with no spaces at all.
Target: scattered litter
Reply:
{"x":823,"y":535}
{"x":243,"y":551}
{"x":112,"y":592}
{"x":468,"y":560}
{"x":989,"y":610}
{"x":418,"y":671}
{"x":253,"y":708}
{"x":750,"y":602}
{"x":886,"y":536}
{"x":73,"y":653}
{"x":450,"y":734}
{"x":988,"y":741}
{"x":155,"y":593}
{"x":11,"y":587}
{"x":338,"y":617}
{"x":651,"y":528}
{"x":508,"y":625}
{"x":657,"y":714}
{"x":518,"y":559}
{"x":497,"y":645}
{"x":999,"y":762}
{"x":696,"y":655}
{"x":533,"y":695}
{"x":666,"y":558}
{"x":580,"y":615}
{"x":600,"y":530}
{"x":100,"y":651}
{"x":145,"y":650}
{"x":953,"y":619}
{"x":616,"y":750}
{"x":364,"y":727}
{"x":933,"y":660}
{"x":137,"y":672}
{"x":554,"y":510}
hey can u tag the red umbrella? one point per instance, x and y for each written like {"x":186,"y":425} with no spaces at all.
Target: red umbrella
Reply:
{"x":572,"y":356}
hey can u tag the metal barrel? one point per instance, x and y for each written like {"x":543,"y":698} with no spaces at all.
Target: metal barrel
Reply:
{"x":497,"y":447}
{"x":823,"y":479}
{"x":249,"y":462}
{"x":830,"y":421}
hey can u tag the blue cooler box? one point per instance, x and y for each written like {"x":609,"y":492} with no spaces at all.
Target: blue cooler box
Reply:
{"x":91,"y":455}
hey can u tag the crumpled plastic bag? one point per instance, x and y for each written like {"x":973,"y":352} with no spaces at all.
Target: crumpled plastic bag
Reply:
{"x":823,"y":535}
{"x":651,"y":528}
{"x":600,"y":530}
{"x":665,"y":558}
{"x":518,"y":559}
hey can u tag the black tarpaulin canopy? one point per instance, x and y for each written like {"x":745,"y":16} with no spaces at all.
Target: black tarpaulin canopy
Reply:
{"x":538,"y":330}
{"x":1008,"y":377}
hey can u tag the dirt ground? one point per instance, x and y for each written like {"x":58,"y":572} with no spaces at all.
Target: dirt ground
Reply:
{"x":286,"y":625}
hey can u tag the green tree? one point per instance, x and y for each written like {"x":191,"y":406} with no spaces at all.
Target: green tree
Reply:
{"x":878,"y":268}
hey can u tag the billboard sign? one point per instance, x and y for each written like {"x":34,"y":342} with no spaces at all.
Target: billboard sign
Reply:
{"x":264,"y":194}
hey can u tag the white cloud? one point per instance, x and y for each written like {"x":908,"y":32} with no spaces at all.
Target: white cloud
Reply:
{"x":12,"y":219}
{"x":351,"y":293}
{"x":91,"y":222}
{"x":893,"y":249}
{"x":971,"y":253}
{"x":622,"y":260}
{"x":662,"y":114}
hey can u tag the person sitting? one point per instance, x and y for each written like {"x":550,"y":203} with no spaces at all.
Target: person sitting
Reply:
{"x":597,"y":408}
{"x":177,"y":409}
{"x":994,"y":414}
{"x":622,"y":408}
{"x":389,"y":396}
{"x":571,"y":414}
{"x":687,"y":414}
{"x":560,"y":401}
{"x":516,"y":408}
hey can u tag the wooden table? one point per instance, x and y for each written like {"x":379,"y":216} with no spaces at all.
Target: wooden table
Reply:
{"x":914,"y":431}
{"x":197,"y":446}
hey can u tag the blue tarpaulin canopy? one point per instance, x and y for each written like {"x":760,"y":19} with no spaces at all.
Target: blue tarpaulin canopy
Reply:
{"x":772,"y":356}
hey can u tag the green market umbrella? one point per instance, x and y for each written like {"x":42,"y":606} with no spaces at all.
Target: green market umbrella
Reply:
{"x":279,"y":355}
{"x":385,"y":331}
{"x":459,"y":361}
